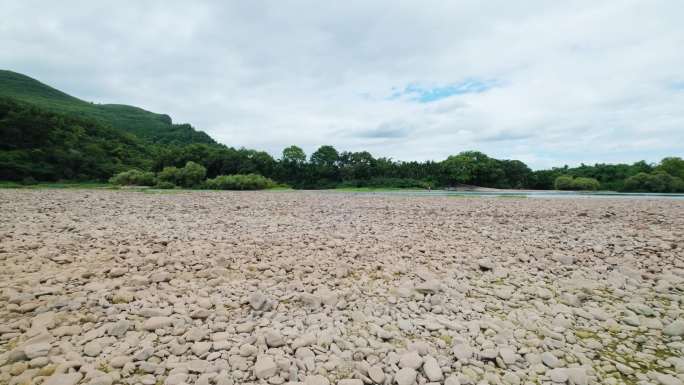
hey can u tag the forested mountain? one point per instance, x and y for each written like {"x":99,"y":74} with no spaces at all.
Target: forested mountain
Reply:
{"x":148,"y":126}
{"x":39,"y":144}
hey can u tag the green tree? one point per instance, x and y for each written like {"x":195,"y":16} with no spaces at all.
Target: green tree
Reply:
{"x":170,"y":175}
{"x":294,"y":154}
{"x":566,"y":182}
{"x":517,"y":174}
{"x":356,"y":165}
{"x":563,"y":182}
{"x":192,"y":175}
{"x":673,"y":166}
{"x":325,"y":156}
{"x":323,"y":171}
{"x":472,"y":167}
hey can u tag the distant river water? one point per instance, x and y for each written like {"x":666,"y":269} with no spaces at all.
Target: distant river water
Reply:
{"x":532,"y":194}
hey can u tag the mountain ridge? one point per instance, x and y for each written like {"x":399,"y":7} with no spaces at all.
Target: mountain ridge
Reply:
{"x":149,"y":126}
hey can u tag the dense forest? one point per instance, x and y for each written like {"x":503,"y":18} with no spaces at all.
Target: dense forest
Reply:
{"x":47,"y":135}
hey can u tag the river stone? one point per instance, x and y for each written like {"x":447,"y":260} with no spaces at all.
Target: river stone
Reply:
{"x":154,"y":323}
{"x":410,"y":360}
{"x":63,"y":379}
{"x":432,"y":370}
{"x":558,"y":375}
{"x":265,"y":367}
{"x":674,"y":329}
{"x":376,"y":374}
{"x":316,"y":380}
{"x":405,"y":376}
{"x":40,"y":349}
{"x":92,"y":349}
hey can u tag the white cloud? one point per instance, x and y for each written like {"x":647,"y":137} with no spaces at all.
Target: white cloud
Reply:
{"x":579,"y":81}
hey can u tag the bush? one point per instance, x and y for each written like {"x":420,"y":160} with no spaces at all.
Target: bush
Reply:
{"x":165,"y":185}
{"x":565,"y":182}
{"x":586,"y":184}
{"x":657,"y":182}
{"x":191,"y":175}
{"x":239,"y":182}
{"x":29,"y":181}
{"x":133,"y":178}
{"x":169,"y":175}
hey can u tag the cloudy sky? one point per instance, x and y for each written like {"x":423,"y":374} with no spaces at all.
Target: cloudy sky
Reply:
{"x":546,"y":82}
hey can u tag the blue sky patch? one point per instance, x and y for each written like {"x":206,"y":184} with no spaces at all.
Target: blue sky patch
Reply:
{"x":677,"y":86}
{"x":422,"y":94}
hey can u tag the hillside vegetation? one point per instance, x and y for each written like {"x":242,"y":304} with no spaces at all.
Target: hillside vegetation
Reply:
{"x":39,"y":144}
{"x":148,"y":126}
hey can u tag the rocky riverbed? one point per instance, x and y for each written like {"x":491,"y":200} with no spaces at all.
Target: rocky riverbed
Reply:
{"x":218,"y":288}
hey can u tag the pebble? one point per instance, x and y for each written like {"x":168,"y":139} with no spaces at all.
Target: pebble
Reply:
{"x":405,"y":376}
{"x":265,"y":367}
{"x":231,"y":288}
{"x":432,"y":370}
{"x":155,"y":323}
{"x":676,"y":328}
{"x":63,"y":379}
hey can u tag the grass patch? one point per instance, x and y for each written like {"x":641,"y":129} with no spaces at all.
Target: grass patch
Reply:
{"x":449,"y":340}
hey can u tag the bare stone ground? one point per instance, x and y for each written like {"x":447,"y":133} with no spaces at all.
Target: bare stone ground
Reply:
{"x":105,"y":287}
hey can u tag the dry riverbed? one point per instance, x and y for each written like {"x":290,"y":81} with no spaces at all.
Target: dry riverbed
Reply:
{"x":219,"y":288}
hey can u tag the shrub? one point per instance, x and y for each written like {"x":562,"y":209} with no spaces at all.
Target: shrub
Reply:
{"x":170,"y":175}
{"x":239,"y":182}
{"x":191,"y":175}
{"x":586,"y":184}
{"x":29,"y":181}
{"x":133,"y":178}
{"x":165,"y":185}
{"x":565,"y":182}
{"x":658,"y":181}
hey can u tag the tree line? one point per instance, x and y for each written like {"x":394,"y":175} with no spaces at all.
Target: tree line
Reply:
{"x":328,"y":168}
{"x":37,"y":144}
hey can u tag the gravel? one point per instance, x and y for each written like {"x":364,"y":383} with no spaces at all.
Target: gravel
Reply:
{"x":316,"y":288}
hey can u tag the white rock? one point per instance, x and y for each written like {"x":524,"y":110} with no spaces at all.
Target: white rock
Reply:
{"x":176,"y":379}
{"x":257,"y":300}
{"x":265,"y":367}
{"x":674,"y":329}
{"x":63,"y":379}
{"x":316,"y":380}
{"x":410,"y":360}
{"x":405,"y":376}
{"x":577,"y":376}
{"x":462,"y":352}
{"x":376,"y":374}
{"x":92,"y":349}
{"x":350,"y":382}
{"x":432,"y":370}
{"x":40,"y":349}
{"x":101,"y":380}
{"x":274,"y":339}
{"x":550,"y":360}
{"x":154,"y":323}
{"x":558,"y":375}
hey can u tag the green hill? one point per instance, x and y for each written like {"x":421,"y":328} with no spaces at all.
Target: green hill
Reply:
{"x":146,"y":125}
{"x":45,"y":145}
